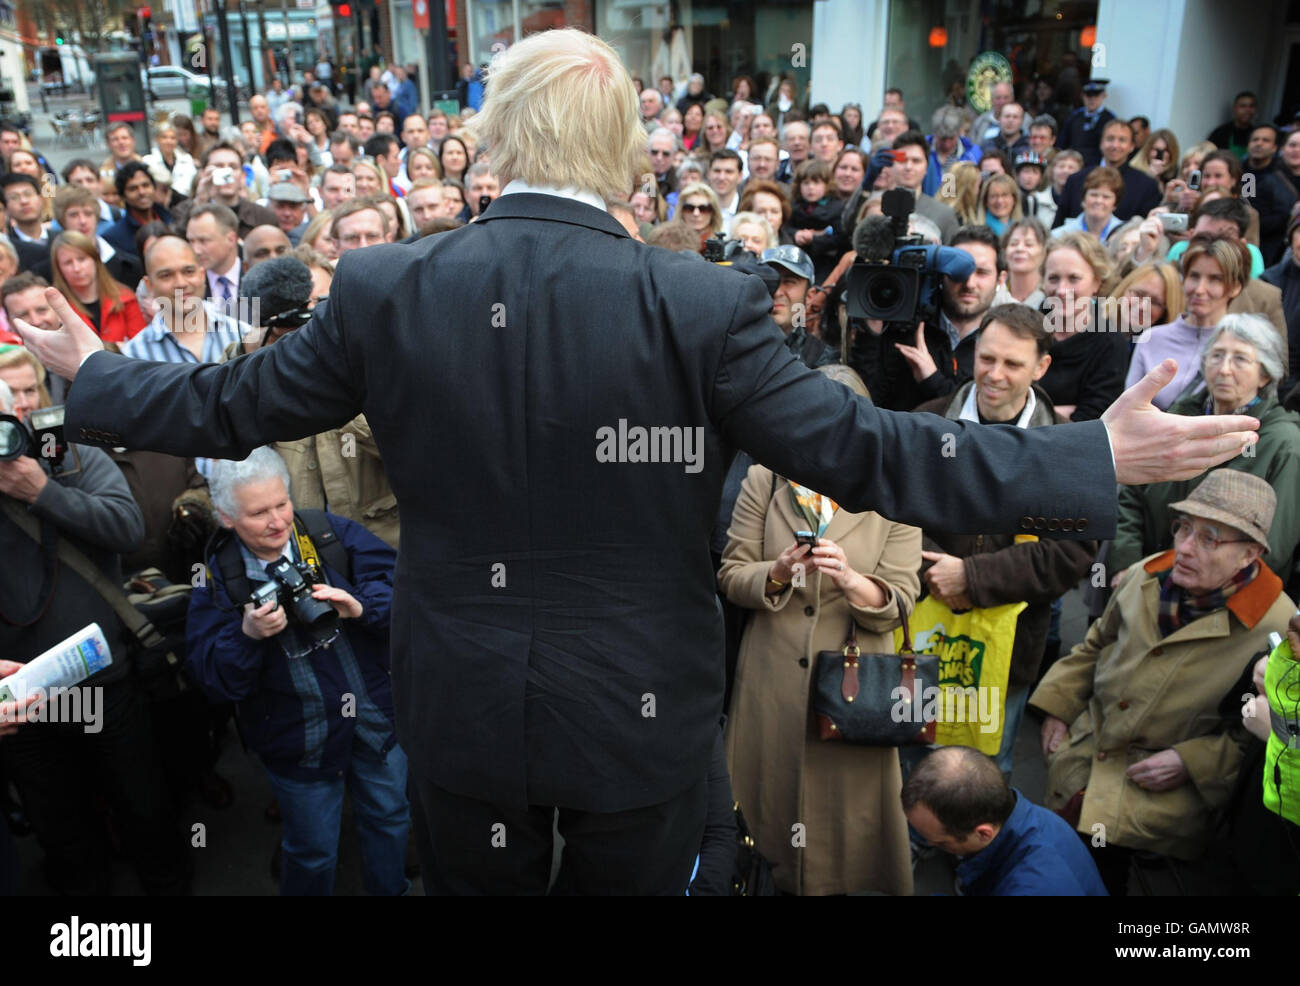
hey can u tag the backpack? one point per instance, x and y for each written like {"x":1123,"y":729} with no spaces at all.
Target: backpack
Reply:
{"x":316,"y":525}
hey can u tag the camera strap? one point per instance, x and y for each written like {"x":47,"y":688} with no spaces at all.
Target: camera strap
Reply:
{"x":140,"y":626}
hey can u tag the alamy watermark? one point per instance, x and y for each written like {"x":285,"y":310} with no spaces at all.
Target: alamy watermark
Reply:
{"x":654,"y":444}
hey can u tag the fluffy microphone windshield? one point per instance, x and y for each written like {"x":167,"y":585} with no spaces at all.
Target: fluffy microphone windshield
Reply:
{"x":873,"y":239}
{"x":280,"y":284}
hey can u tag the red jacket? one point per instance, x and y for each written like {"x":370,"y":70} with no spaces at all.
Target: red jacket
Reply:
{"x":120,"y":325}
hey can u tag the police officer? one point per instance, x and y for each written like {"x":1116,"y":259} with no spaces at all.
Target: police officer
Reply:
{"x":1082,"y":128}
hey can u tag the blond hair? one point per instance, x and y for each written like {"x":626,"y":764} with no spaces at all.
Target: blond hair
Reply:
{"x":1092,"y":252}
{"x":561,"y":111}
{"x":18,"y":356}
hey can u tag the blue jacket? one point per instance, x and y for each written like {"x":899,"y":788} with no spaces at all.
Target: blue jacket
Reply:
{"x":406,"y":100}
{"x":279,"y":719}
{"x":1036,"y":854}
{"x":934,"y":173}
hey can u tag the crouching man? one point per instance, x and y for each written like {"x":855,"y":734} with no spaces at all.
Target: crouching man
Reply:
{"x":292,"y":626}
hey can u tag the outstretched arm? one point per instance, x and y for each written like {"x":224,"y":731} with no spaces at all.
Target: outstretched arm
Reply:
{"x":301,"y":386}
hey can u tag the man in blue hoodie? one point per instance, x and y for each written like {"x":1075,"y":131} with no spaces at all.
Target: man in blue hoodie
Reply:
{"x":1008,"y":846}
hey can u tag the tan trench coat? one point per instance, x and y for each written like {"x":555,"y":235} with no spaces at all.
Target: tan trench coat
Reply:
{"x":341,"y":468}
{"x":846,"y":798}
{"x":1128,"y":693}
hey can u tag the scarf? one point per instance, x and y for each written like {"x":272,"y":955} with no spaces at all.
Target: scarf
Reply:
{"x":1176,"y":607}
{"x":1209,"y":401}
{"x":814,"y":508}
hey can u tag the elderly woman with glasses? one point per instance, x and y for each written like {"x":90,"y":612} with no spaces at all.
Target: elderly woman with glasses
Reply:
{"x":1142,"y":733}
{"x":1241,"y":363}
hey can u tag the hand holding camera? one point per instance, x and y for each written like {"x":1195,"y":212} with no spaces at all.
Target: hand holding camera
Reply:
{"x":264,"y":621}
{"x":344,"y":603}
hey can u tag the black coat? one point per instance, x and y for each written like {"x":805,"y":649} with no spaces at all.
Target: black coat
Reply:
{"x":1141,"y":195}
{"x":556,"y":635}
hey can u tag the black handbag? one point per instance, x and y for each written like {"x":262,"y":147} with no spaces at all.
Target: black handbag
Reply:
{"x":857,"y":697}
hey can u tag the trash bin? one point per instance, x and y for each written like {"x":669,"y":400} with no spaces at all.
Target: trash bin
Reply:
{"x":198,"y":101}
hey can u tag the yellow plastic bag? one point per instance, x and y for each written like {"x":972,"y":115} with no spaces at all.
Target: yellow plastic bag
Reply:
{"x":974,"y":649}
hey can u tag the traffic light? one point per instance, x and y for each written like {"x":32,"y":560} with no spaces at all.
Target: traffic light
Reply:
{"x":58,"y":41}
{"x":344,"y":10}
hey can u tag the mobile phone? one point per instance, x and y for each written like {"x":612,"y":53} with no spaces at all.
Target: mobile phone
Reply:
{"x":284,"y":174}
{"x":483,"y":202}
{"x":1194,"y":180}
{"x":899,"y":156}
{"x":223,"y":176}
{"x":1174,"y":222}
{"x":806,"y":537}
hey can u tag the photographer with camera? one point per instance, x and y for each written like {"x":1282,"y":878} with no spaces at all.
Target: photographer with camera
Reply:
{"x":76,"y":500}
{"x":292,"y":626}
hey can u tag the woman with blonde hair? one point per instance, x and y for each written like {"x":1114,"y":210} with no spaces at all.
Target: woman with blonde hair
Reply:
{"x":106,"y":305}
{"x":23,"y":372}
{"x":999,"y":204}
{"x":370,"y":178}
{"x":862,"y":573}
{"x":698,"y":208}
{"x":1151,"y":294}
{"x":422,"y":163}
{"x":317,"y":235}
{"x":960,"y":190}
{"x":713,"y":135}
{"x":1088,"y":362}
{"x":8,"y":268}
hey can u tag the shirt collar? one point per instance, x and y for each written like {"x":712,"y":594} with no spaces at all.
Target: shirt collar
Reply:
{"x":106,"y":251}
{"x":568,"y":192}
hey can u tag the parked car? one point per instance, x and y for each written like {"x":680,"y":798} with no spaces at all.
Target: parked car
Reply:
{"x":175,"y":82}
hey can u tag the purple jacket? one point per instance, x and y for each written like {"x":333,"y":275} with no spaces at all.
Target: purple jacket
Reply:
{"x":1177,"y":339}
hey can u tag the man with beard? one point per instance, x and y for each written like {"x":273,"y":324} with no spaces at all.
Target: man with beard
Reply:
{"x":964,"y":303}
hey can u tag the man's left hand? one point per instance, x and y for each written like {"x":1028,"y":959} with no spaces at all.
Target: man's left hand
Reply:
{"x":22,"y":478}
{"x":1161,"y":771}
{"x":343,"y":602}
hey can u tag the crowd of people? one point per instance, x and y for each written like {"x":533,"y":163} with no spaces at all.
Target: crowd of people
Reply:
{"x":1098,"y":247}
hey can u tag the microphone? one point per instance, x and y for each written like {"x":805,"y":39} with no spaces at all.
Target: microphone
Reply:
{"x":282,"y":287}
{"x":873,"y":239}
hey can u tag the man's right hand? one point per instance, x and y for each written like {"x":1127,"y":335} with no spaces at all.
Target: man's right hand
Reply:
{"x":1152,"y":446}
{"x":266,"y":621}
{"x":1054,"y":731}
{"x":61,"y":350}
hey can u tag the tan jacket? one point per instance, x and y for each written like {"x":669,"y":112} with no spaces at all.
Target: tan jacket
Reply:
{"x":1261,"y":298}
{"x":341,"y":470}
{"x":1128,"y":693}
{"x":845,"y":797}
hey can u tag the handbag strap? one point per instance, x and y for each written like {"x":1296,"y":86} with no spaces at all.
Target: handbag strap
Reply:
{"x":141,"y":628}
{"x":852,"y":641}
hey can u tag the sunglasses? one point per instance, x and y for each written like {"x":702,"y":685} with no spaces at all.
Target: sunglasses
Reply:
{"x":692,"y":207}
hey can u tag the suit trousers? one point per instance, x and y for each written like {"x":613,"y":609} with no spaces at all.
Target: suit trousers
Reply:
{"x":473,"y":847}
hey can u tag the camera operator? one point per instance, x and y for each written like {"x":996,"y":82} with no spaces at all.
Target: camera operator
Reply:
{"x":311,"y":681}
{"x":58,"y":767}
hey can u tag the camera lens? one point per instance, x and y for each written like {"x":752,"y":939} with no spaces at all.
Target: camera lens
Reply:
{"x":13,"y":438}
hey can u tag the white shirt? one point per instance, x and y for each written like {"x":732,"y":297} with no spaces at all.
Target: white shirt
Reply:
{"x":231,"y":275}
{"x":569,"y":192}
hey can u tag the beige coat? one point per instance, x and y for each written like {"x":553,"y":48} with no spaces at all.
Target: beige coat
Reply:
{"x":845,"y":797}
{"x":1128,"y":693}
{"x":342,"y":469}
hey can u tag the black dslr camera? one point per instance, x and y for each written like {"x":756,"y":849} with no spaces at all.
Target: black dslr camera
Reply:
{"x":40,"y":438}
{"x":290,"y":585}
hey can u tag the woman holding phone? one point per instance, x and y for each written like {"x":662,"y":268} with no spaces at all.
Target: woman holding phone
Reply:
{"x":801,"y":600}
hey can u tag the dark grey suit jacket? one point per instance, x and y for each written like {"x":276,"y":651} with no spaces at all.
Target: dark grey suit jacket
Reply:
{"x":555,"y":629}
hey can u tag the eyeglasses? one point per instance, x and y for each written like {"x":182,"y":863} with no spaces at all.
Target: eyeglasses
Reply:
{"x":1239,"y":361}
{"x":661,"y":153}
{"x":697,"y":208}
{"x":1206,"y":537}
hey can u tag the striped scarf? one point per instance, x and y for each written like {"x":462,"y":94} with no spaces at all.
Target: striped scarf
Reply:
{"x":1177,"y":607}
